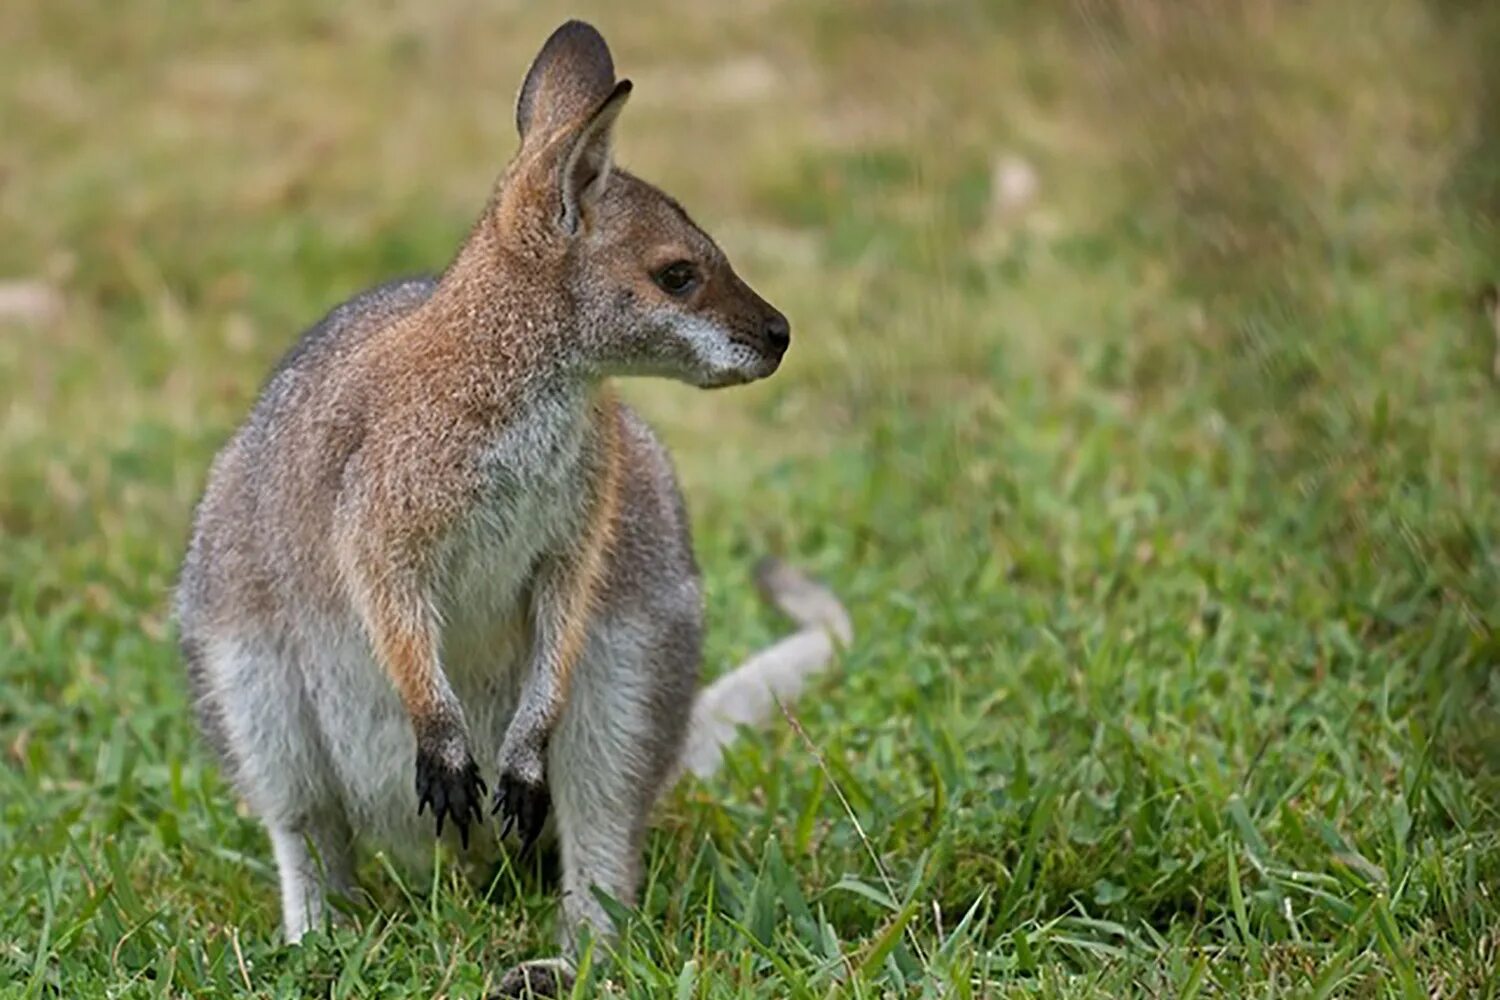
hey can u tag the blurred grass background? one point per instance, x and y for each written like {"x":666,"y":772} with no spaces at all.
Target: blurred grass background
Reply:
{"x":1140,"y":406}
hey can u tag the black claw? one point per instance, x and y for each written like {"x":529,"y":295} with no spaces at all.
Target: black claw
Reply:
{"x":525,"y":808}
{"x":457,"y":794}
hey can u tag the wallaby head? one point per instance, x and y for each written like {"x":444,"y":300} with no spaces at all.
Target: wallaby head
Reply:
{"x":647,"y":292}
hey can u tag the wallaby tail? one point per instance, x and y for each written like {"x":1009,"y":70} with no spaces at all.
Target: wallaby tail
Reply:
{"x":749,"y":694}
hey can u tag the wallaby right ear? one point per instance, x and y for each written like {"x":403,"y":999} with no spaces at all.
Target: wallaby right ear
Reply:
{"x":586,"y":167}
{"x":569,"y":81}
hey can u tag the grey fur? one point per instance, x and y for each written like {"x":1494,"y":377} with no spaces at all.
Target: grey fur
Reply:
{"x":316,"y":349}
{"x":300,"y":715}
{"x":437,"y":539}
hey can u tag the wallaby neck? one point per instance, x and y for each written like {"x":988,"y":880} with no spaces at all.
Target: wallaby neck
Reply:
{"x":492,"y":350}
{"x":505,"y":323}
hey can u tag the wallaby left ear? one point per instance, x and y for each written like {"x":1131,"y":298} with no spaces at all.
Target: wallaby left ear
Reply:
{"x":586,"y":164}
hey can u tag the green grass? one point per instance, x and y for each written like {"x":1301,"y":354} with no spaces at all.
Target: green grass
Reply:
{"x":1166,"y":509}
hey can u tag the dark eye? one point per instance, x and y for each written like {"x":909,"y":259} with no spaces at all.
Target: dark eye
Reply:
{"x":677,"y":279}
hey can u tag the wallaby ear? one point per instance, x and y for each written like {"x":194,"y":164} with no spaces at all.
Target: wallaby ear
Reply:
{"x":570,"y":79}
{"x":566,"y":114}
{"x":586,"y":165}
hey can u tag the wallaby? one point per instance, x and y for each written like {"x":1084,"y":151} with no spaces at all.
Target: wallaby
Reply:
{"x":441,"y":556}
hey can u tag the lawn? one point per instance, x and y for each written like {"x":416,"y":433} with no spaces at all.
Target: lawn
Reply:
{"x":1140,"y":407}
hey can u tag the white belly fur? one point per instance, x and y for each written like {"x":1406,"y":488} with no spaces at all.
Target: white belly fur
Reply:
{"x":487,"y":567}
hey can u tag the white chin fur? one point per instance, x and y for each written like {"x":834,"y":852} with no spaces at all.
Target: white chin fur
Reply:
{"x":717,"y":359}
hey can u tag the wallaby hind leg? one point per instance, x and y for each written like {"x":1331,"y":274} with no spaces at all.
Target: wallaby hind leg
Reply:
{"x":314,"y":863}
{"x":614,"y":747}
{"x":268,"y":737}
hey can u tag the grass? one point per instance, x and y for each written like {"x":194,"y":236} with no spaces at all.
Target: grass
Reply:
{"x":1165,"y":506}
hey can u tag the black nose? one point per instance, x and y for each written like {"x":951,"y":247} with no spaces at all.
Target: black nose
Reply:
{"x":778,"y":332}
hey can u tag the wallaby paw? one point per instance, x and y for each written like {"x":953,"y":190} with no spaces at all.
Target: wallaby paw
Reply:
{"x":548,"y":977}
{"x":524,"y":806}
{"x":455,"y":792}
{"x":521,"y":793}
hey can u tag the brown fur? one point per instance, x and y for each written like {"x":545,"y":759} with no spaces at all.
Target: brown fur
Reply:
{"x":444,"y":380}
{"x":438,"y":517}
{"x":591,"y":561}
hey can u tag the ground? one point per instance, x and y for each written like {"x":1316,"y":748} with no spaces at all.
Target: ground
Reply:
{"x":1140,"y":407}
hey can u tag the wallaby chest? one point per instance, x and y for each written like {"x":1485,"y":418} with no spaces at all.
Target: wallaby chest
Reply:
{"x":532,"y":502}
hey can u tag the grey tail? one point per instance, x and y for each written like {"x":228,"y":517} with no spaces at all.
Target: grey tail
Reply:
{"x":749,"y":694}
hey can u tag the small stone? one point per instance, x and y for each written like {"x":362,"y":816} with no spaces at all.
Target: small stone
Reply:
{"x":29,"y":302}
{"x":1013,"y":185}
